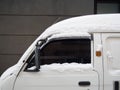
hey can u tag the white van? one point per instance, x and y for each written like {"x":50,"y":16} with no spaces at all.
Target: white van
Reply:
{"x":81,"y":53}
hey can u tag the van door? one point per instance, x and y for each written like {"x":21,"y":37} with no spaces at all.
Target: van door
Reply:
{"x":111,"y":52}
{"x":65,"y":65}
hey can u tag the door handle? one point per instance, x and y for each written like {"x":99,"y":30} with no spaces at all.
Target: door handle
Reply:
{"x":84,"y":83}
{"x":109,"y":55}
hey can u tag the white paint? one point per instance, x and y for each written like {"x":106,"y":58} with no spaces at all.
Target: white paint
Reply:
{"x":99,"y":47}
{"x":111,"y":59}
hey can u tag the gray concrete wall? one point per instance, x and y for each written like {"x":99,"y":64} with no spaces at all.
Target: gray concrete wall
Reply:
{"x":21,"y":21}
{"x":46,"y":7}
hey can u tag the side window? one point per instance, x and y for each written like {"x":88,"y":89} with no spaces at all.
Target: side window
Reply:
{"x":63,"y":51}
{"x":66,"y":51}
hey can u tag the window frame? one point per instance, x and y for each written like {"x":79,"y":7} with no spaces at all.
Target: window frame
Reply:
{"x":50,"y":40}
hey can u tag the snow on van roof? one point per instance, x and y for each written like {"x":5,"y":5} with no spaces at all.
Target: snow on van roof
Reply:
{"x":85,"y":24}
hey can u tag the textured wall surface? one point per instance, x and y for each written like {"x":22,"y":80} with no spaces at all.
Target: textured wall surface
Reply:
{"x":21,"y":21}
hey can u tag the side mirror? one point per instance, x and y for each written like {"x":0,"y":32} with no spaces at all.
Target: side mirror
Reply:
{"x":34,"y":61}
{"x":37,"y":57}
{"x":37,"y":54}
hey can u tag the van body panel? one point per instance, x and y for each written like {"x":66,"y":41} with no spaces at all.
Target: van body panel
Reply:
{"x":111,"y":51}
{"x":97,"y":61}
{"x":57,"y":80}
{"x":8,"y":83}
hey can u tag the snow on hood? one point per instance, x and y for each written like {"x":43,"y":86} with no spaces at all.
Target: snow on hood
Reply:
{"x":66,"y":67}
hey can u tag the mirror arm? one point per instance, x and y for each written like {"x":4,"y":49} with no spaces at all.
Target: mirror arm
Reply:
{"x":37,"y":58}
{"x":37,"y":54}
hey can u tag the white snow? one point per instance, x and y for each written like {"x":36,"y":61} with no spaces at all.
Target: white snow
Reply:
{"x":9,"y":71}
{"x":70,"y":67}
{"x":66,"y":67}
{"x":85,"y":24}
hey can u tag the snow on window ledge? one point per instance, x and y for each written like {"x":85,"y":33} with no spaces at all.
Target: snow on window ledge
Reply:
{"x":65,"y":67}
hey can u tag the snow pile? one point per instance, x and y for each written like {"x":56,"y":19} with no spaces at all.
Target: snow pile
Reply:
{"x":88,"y":24}
{"x":66,"y":67}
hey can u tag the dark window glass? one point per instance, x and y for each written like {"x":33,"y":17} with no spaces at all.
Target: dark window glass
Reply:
{"x":66,"y":51}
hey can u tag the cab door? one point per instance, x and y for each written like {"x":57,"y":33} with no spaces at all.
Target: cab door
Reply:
{"x":111,"y":51}
{"x":52,"y":80}
{"x":65,"y":65}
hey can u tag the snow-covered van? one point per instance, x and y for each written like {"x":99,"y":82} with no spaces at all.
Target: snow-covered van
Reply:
{"x":80,"y":53}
